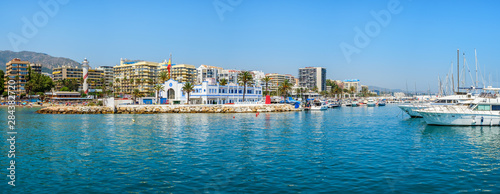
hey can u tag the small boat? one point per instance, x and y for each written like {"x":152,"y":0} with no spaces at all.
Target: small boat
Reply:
{"x":333,"y":105}
{"x":371,"y":103}
{"x":381,"y":103}
{"x":316,"y":105}
{"x":354,"y":103}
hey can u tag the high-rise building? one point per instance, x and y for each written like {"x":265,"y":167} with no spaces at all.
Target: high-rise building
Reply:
{"x":205,"y":72}
{"x":313,"y":77}
{"x":67,"y":72}
{"x":182,"y":72}
{"x":16,"y":70}
{"x":135,"y":74}
{"x":277,"y":80}
{"x":94,"y":77}
{"x":108,"y":74}
{"x":36,"y":67}
{"x":257,"y":78}
{"x":230,"y":75}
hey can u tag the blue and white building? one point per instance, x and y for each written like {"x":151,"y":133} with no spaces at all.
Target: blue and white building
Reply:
{"x":209,"y":93}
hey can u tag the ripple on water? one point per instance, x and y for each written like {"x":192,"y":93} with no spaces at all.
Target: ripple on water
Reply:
{"x":349,"y":149}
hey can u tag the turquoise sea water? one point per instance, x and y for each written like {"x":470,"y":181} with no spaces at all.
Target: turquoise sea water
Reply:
{"x":346,"y":150}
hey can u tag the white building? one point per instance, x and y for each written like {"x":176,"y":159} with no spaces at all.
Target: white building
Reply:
{"x":230,"y":75}
{"x":206,"y":93}
{"x":257,"y":78}
{"x":205,"y":72}
{"x":348,"y":83}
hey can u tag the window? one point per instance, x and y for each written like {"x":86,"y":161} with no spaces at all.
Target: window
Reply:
{"x":483,"y":107}
{"x":495,"y":107}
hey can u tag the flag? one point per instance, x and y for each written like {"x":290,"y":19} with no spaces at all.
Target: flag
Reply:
{"x":169,"y":65}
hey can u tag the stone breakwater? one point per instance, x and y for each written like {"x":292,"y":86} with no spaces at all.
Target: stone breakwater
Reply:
{"x":154,"y":109}
{"x":76,"y":110}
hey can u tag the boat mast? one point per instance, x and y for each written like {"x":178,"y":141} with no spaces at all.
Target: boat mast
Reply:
{"x":475,"y":53}
{"x":458,"y":70}
{"x":465,"y":72}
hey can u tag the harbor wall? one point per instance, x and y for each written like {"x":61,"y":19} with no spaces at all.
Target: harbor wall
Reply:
{"x":154,"y":109}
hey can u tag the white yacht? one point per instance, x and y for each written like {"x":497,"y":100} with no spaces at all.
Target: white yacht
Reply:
{"x":484,"y":110}
{"x":316,"y":105}
{"x":371,"y":103}
{"x":411,"y":109}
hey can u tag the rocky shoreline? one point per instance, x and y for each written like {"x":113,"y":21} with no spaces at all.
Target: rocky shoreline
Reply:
{"x":155,"y":109}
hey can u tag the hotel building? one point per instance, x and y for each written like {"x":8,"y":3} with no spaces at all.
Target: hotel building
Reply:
{"x":135,"y":74}
{"x":36,"y":67}
{"x":348,"y":83}
{"x":313,"y":77}
{"x":94,"y":80}
{"x":277,"y":79}
{"x":181,"y":72}
{"x":18,"y":68}
{"x":230,"y":75}
{"x":108,"y":74}
{"x":205,"y":72}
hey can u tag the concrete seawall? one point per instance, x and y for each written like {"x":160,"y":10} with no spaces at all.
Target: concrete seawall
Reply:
{"x":154,"y":109}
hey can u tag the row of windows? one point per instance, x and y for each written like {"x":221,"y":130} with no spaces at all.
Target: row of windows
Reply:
{"x":485,"y":107}
{"x":20,"y":65}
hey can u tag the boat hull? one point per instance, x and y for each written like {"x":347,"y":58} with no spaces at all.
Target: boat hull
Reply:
{"x":460,"y":119}
{"x":411,"y":110}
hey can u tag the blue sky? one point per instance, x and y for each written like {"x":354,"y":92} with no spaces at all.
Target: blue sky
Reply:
{"x":418,"y":44}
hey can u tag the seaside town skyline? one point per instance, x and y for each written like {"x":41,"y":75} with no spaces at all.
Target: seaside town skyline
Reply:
{"x":379,"y":42}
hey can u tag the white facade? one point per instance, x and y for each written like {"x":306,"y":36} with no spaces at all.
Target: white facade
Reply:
{"x":230,"y":75}
{"x":354,"y":83}
{"x":205,"y":72}
{"x":210,"y":94}
{"x":257,"y":78}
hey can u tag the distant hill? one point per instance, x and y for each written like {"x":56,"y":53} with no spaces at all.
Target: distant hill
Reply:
{"x":371,"y":88}
{"x":48,"y":62}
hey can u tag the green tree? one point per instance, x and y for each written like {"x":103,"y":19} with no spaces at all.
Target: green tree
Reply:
{"x":284,"y":87}
{"x":40,"y":83}
{"x":245,"y":78}
{"x":223,"y":82}
{"x":64,"y":88}
{"x":158,"y":88}
{"x":188,"y":88}
{"x":266,"y":80}
{"x":352,"y":89}
{"x":164,"y":76}
{"x":136,"y":94}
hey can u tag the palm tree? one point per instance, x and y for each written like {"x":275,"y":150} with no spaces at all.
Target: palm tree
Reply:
{"x":267,"y":80}
{"x":352,"y":89}
{"x":164,"y":76}
{"x":297,"y":91}
{"x":223,"y":82}
{"x":245,"y":77}
{"x":117,"y":90}
{"x":158,"y":88}
{"x":188,"y":88}
{"x":286,"y":85}
{"x":136,"y":93}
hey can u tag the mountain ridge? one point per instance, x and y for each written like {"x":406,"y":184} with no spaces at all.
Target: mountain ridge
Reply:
{"x":48,"y":62}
